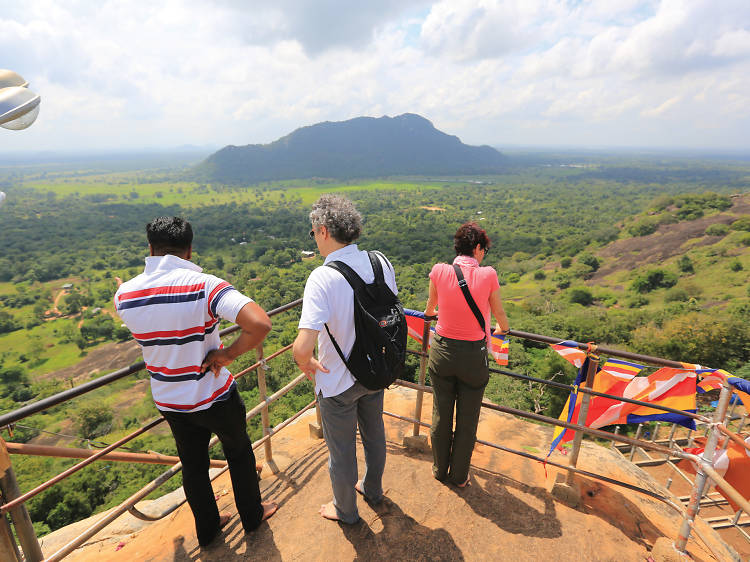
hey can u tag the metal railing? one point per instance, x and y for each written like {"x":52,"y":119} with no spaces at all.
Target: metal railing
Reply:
{"x":14,"y":501}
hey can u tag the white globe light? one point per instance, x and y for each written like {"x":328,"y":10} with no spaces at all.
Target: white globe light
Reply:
{"x":19,"y":107}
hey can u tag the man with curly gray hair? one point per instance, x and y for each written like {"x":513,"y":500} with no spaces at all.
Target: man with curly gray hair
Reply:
{"x":345,"y":404}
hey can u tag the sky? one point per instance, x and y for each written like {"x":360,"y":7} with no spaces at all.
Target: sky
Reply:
{"x":119,"y":75}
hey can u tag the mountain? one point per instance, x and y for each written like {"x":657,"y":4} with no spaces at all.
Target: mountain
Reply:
{"x":362,"y":147}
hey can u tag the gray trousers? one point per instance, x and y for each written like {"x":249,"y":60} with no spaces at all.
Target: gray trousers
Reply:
{"x":341,"y":414}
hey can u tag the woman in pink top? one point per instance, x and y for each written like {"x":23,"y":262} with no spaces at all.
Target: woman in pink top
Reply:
{"x":458,"y":365}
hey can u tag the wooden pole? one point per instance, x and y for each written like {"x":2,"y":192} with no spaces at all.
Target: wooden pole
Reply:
{"x":582,"y":413}
{"x":19,"y":515}
{"x":263,"y":396}
{"x":8,"y":547}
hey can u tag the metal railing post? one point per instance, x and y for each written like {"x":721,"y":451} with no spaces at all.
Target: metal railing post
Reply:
{"x":700,"y":478}
{"x":582,"y":413}
{"x":422,"y":373}
{"x":19,"y":515}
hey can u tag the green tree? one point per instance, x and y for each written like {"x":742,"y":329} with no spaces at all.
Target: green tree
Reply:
{"x":93,"y":421}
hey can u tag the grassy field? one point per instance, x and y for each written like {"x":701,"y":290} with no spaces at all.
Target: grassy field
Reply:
{"x":126,"y":189}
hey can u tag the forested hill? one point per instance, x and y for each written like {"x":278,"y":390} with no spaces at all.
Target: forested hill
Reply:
{"x":362,"y":147}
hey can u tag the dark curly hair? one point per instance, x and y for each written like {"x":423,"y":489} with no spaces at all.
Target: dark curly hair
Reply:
{"x":468,"y":236}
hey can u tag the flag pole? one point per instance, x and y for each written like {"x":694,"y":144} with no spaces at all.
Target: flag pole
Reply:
{"x":701,"y":477}
{"x":582,"y":413}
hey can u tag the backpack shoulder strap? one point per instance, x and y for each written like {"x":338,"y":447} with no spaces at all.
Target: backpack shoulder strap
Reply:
{"x":469,"y":299}
{"x":354,"y":280}
{"x":377,"y":267}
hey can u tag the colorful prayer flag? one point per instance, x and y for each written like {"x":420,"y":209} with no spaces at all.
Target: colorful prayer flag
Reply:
{"x":571,"y":406}
{"x":732,"y":463}
{"x":621,"y":369}
{"x":569,"y":350}
{"x":415,"y":325}
{"x":499,"y":347}
{"x":672,"y":388}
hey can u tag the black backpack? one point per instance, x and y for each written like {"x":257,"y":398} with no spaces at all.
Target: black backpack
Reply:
{"x":377,"y":357}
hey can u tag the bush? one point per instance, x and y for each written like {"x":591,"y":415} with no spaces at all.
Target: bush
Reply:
{"x":745,"y":240}
{"x":581,"y":296}
{"x":742,"y":223}
{"x":644,"y":227}
{"x":735,"y":265}
{"x":565,"y":262}
{"x":589,"y":260}
{"x":654,"y":279}
{"x":93,"y":421}
{"x":717,"y":229}
{"x":685,"y":264}
{"x":676,"y":294}
{"x":539,"y":275}
{"x":562,"y":280}
{"x":637,"y":301}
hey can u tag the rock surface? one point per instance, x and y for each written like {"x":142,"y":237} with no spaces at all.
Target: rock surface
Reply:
{"x":507,"y":513}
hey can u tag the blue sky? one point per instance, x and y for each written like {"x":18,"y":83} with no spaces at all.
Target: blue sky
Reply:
{"x":604,"y":73}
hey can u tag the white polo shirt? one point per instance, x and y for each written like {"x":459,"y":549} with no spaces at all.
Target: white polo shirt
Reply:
{"x":329,"y":299}
{"x":173,"y":311}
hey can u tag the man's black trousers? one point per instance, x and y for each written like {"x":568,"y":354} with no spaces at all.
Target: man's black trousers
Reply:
{"x":192,"y":432}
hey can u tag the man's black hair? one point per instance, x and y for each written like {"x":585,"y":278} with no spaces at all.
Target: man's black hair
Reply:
{"x":169,"y":235}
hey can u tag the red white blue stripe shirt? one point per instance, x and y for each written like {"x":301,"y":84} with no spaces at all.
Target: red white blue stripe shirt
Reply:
{"x":173,"y":311}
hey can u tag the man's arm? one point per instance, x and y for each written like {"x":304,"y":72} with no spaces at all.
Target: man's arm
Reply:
{"x":255,"y":324}
{"x":303,"y":352}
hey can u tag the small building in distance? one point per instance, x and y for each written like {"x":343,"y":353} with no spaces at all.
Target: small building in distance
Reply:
{"x":307,"y":254}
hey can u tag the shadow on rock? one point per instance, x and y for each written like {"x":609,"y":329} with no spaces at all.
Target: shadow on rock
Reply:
{"x":293,"y":479}
{"x":611,"y":506}
{"x":401,"y":538}
{"x":499,"y":499}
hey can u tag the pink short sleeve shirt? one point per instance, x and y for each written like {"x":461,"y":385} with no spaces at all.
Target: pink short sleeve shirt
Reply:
{"x":455,"y":319}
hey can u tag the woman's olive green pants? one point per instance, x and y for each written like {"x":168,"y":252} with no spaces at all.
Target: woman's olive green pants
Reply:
{"x":459,"y":372}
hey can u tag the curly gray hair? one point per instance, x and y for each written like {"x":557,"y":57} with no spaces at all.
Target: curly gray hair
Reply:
{"x":339,"y":216}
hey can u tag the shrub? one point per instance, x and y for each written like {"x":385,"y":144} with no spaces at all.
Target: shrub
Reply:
{"x":676,"y":294}
{"x":539,"y":275}
{"x":565,"y":262}
{"x":742,"y":223}
{"x":93,"y":421}
{"x":562,"y":280}
{"x":685,"y":264}
{"x":735,"y":265}
{"x":512,"y":277}
{"x":644,"y":227}
{"x":637,"y":301}
{"x":589,"y":260}
{"x":581,"y":296}
{"x":745,"y":240}
{"x":717,"y":229}
{"x":654,"y":279}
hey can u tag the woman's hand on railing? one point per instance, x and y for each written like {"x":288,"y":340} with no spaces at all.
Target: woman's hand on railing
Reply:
{"x":499,"y":331}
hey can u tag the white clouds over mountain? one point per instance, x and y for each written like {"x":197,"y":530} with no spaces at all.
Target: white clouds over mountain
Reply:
{"x":632,"y":72}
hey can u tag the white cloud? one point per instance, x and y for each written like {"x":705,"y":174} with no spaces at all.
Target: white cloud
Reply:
{"x":630,"y":72}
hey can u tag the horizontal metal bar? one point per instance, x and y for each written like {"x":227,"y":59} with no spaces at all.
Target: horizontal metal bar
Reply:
{"x":138,"y":496}
{"x":600,"y":349}
{"x":65,"y":395}
{"x":54,"y":480}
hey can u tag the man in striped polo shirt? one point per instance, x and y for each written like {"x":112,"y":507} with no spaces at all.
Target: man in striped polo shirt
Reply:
{"x":173,"y":311}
